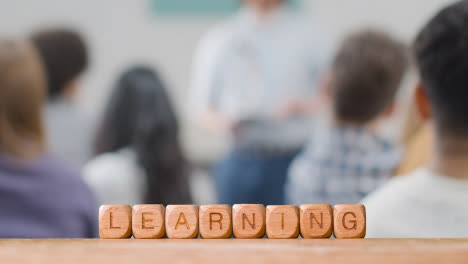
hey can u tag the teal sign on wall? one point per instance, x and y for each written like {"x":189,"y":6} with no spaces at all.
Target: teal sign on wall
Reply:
{"x":199,"y":7}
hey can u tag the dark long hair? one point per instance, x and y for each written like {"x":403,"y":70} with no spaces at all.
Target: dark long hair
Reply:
{"x":140,"y":116}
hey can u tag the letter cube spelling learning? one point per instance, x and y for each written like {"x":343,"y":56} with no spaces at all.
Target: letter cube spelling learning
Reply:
{"x":282,"y":221}
{"x":182,"y":221}
{"x":115,"y":221}
{"x":148,"y":221}
{"x":316,"y":220}
{"x":248,"y":221}
{"x":215,"y":221}
{"x":350,"y":221}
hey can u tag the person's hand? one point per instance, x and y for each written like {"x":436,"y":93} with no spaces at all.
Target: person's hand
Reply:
{"x":290,"y":108}
{"x":300,"y":106}
{"x":216,"y":122}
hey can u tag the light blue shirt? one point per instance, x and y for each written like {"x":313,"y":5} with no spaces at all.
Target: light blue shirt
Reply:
{"x":246,"y":68}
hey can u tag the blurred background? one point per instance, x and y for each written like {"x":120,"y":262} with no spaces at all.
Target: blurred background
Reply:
{"x":165,"y":34}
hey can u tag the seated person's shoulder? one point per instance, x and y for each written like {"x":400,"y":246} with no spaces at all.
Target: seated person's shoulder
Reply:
{"x":116,"y":177}
{"x":116,"y":162}
{"x":118,"y":167}
{"x":389,"y":192}
{"x":387,"y":206}
{"x":58,"y":168}
{"x":64,"y":176}
{"x":396,"y":187}
{"x":55,"y":176}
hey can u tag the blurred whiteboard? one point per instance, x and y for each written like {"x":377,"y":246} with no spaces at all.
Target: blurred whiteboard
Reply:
{"x":199,"y":7}
{"x":194,"y":7}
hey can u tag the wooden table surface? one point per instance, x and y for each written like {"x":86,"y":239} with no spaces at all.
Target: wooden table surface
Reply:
{"x":360,"y":251}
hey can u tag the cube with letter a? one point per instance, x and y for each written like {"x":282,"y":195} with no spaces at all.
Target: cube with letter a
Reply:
{"x":182,"y":221}
{"x":349,"y":221}
{"x":115,"y":221}
{"x":148,"y":221}
{"x":248,"y":220}
{"x":215,"y":221}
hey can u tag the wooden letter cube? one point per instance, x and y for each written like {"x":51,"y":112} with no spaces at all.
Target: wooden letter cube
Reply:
{"x":148,"y":221}
{"x":316,"y":220}
{"x":350,"y":221}
{"x":115,"y":221}
{"x":182,"y":221}
{"x":215,"y":221}
{"x":248,"y":220}
{"x":282,"y":221}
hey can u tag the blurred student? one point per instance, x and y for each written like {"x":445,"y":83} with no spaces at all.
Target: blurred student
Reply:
{"x":432,"y":201}
{"x":139,"y":157}
{"x":39,"y":197}
{"x":346,"y":158}
{"x":65,"y":57}
{"x":248,"y":72}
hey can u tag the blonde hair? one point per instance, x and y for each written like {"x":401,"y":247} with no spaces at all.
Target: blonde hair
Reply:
{"x":22,"y":95}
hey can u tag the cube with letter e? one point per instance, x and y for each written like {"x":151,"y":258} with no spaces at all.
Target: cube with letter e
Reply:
{"x":148,"y":221}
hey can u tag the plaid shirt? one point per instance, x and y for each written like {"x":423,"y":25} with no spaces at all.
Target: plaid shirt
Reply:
{"x":341,"y":165}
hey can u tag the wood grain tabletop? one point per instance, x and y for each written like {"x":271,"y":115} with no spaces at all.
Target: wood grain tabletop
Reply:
{"x":127,"y":251}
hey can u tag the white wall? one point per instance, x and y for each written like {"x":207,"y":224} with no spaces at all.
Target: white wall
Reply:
{"x":122,"y":32}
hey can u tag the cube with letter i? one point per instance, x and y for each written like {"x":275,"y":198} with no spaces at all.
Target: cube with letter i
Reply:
{"x":282,"y":221}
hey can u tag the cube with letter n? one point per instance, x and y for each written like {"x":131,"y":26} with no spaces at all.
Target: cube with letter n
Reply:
{"x":248,"y":220}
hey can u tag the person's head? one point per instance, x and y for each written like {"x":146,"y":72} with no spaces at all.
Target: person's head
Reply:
{"x":65,"y":57}
{"x":264,"y":6}
{"x":365,"y":76}
{"x":22,"y":94}
{"x":140,"y":116}
{"x":441,"y":54}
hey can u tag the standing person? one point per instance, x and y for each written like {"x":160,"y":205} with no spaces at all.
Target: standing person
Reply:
{"x":39,"y":197}
{"x":249,"y":72}
{"x":432,"y":201}
{"x":65,"y":57}
{"x":139,"y":157}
